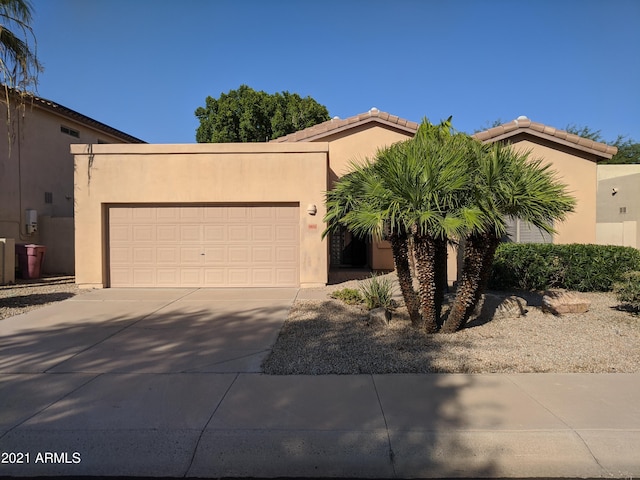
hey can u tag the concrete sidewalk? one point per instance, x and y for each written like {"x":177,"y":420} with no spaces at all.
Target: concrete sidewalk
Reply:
{"x":116,"y":385}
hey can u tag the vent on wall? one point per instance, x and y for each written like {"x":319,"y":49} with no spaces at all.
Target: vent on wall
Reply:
{"x":623,"y":209}
{"x":48,"y":197}
{"x":70,"y":131}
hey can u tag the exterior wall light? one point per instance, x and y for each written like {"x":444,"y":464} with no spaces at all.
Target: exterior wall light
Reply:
{"x":312,"y":209}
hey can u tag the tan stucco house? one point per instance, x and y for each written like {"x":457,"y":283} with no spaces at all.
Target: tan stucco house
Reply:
{"x":37,"y":174}
{"x":228,"y":215}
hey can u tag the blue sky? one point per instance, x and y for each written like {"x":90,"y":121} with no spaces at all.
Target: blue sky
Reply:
{"x":144,"y":66}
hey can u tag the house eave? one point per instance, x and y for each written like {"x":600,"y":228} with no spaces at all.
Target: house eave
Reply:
{"x":550,"y":138}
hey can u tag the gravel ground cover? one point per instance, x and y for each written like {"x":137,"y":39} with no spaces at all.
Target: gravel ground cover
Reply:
{"x":325,"y":336}
{"x":26,"y":295}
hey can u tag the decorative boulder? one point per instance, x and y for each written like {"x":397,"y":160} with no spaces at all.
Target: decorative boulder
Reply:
{"x":495,"y":306}
{"x":379,"y":316}
{"x":559,"y":302}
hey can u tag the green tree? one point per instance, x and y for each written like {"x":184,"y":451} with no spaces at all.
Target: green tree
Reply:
{"x":19,"y":66}
{"x":246,"y":115}
{"x":628,"y":149}
{"x":506,"y":183}
{"x":415,"y":190}
{"x":442,"y":187}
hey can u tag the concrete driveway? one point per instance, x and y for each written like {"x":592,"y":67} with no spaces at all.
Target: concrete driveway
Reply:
{"x":147,"y":331}
{"x":163,"y":383}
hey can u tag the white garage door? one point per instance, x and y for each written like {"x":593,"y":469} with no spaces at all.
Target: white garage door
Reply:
{"x":204,"y":246}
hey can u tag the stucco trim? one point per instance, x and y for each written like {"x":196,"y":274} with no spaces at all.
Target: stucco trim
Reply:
{"x":197,"y":148}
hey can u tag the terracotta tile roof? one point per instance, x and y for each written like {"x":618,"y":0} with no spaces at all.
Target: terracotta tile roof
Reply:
{"x":336,"y":125}
{"x":524,"y":125}
{"x":78,"y":117}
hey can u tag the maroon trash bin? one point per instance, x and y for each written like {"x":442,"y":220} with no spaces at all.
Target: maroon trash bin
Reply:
{"x":30,"y":258}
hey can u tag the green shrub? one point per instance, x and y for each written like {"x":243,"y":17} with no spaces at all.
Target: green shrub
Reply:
{"x":628,"y":290}
{"x":378,"y":292}
{"x":350,"y":296}
{"x":531,"y":266}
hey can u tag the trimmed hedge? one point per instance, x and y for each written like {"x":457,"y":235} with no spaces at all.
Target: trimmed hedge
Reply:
{"x":533,"y":266}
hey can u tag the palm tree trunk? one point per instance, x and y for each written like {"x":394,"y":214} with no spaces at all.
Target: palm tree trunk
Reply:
{"x":400,"y":249}
{"x":425,"y":252}
{"x":441,"y":255}
{"x":479,"y":252}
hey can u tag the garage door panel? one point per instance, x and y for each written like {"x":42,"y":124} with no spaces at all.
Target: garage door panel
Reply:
{"x":167,"y":277}
{"x":190,"y":214}
{"x":168,"y":215}
{"x":216,"y":255}
{"x":239,"y":254}
{"x":167,"y":233}
{"x":144,"y":255}
{"x":214,"y":277}
{"x":238,"y":277}
{"x":262,"y":233}
{"x":167,"y":255}
{"x":144,"y":276}
{"x":237,"y":215}
{"x":214,"y":233}
{"x":122,"y":276}
{"x":238,"y":233}
{"x":286,"y":276}
{"x":142,"y":214}
{"x":262,"y":254}
{"x":190,"y":276}
{"x":122,"y":255}
{"x":190,"y":255}
{"x":214,"y":246}
{"x":121,"y":233}
{"x":190,"y":233}
{"x":144,"y":233}
{"x":262,"y":276}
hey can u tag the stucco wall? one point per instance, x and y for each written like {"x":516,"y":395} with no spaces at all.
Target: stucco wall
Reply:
{"x":358,"y":143}
{"x":39,"y":161}
{"x":355,"y":145}
{"x":578,"y":171}
{"x":198,"y":174}
{"x":618,"y":205}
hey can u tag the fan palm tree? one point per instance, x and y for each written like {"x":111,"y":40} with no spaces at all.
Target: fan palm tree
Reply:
{"x":506,"y":183}
{"x":19,"y":65}
{"x":415,"y":189}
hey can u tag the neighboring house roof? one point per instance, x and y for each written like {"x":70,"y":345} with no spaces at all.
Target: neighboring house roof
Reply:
{"x":524,"y":125}
{"x":78,"y":117}
{"x":337,"y":125}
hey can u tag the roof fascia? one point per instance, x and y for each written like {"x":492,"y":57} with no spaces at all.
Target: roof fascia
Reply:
{"x":550,"y":138}
{"x":349,"y":126}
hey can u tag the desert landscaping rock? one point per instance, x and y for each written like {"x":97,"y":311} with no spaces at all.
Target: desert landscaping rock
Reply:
{"x":329,"y":337}
{"x":379,"y":316}
{"x":498,"y":306}
{"x":559,"y":302}
{"x":27,"y":295}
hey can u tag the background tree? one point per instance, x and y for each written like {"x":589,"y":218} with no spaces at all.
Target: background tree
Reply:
{"x":628,"y":149}
{"x":19,"y":66}
{"x":245,"y":115}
